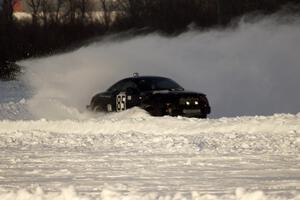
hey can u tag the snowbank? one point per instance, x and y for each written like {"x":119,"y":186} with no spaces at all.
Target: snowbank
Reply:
{"x":278,"y":134}
{"x":136,"y":120}
{"x":111,"y":194}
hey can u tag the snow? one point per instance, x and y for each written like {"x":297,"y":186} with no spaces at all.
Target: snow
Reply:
{"x":249,"y":70}
{"x":51,"y":148}
{"x":110,"y":194}
{"x":132,"y":155}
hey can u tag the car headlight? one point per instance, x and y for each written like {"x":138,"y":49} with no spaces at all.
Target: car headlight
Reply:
{"x":187,"y":103}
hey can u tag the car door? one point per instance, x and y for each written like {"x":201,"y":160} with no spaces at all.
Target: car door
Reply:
{"x":127,"y":95}
{"x":112,"y":94}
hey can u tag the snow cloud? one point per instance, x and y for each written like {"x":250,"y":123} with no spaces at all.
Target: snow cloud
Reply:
{"x":253,"y":69}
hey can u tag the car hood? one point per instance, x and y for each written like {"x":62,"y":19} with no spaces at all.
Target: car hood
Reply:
{"x":176,"y":92}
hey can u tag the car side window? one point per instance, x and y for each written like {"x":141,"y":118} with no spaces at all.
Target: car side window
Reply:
{"x":121,"y":86}
{"x":116,"y":87}
{"x":128,"y":84}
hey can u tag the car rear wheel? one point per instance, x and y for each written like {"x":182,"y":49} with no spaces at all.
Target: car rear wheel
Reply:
{"x":97,"y":108}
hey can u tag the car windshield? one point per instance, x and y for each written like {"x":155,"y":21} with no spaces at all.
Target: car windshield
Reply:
{"x":158,"y":83}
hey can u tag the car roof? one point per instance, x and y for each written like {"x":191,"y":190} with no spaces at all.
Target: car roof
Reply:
{"x":144,"y":77}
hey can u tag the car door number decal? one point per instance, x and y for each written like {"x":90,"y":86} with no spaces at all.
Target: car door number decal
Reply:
{"x":121,"y":101}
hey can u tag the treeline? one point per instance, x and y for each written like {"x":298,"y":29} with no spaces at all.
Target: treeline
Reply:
{"x":55,"y":25}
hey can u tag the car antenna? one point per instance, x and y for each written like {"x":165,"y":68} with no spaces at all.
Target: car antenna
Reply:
{"x":136,"y":74}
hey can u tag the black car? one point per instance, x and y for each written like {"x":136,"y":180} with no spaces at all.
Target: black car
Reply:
{"x":157,"y":95}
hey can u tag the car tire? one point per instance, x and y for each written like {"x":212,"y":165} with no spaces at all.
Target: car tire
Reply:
{"x":96,"y":108}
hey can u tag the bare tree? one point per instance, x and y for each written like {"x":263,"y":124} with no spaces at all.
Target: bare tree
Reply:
{"x":35,"y":9}
{"x":46,"y":11}
{"x":57,"y":12}
{"x":71,"y":13}
{"x":121,"y":8}
{"x":52,"y":11}
{"x":83,"y":9}
{"x":106,"y":8}
{"x":134,"y":11}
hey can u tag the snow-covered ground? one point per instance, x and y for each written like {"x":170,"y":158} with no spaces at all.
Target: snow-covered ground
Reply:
{"x":51,"y":148}
{"x":131,"y":155}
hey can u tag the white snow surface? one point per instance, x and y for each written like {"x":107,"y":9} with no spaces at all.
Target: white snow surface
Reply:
{"x":51,"y":148}
{"x":132,"y":155}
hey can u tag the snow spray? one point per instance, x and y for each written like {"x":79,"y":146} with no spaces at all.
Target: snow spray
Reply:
{"x":252,"y":69}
